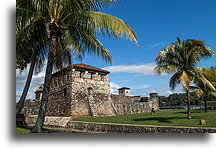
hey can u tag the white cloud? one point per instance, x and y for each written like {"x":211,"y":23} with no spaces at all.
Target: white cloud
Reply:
{"x":143,"y":69}
{"x":37,"y":80}
{"x":162,"y":91}
{"x":156,"y":44}
{"x":145,"y":90}
{"x":169,"y":92}
{"x":114,"y":88}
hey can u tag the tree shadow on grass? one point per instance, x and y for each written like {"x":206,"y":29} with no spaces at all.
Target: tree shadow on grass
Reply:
{"x":192,"y":111}
{"x":159,"y":119}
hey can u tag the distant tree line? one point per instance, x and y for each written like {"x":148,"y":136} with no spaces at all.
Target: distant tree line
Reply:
{"x":181,"y":99}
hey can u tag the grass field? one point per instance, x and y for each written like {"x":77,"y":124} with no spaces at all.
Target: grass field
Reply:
{"x":161,"y":117}
{"x":22,"y":130}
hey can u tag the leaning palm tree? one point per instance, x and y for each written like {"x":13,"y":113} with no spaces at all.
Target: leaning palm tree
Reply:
{"x":34,"y":54}
{"x":30,"y":50}
{"x":73,"y":24}
{"x":204,"y":89}
{"x":179,"y":59}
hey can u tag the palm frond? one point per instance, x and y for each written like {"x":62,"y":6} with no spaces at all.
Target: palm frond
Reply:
{"x":111,"y":25}
{"x":85,"y":36}
{"x":165,"y":69}
{"x":205,"y":78}
{"x":199,"y":93}
{"x":186,"y":79}
{"x":213,"y":93}
{"x":174,"y":80}
{"x":182,"y":56}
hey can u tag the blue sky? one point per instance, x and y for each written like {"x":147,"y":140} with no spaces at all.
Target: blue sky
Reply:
{"x":157,"y":24}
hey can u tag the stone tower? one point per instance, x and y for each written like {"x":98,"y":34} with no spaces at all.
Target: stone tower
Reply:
{"x":80,"y":90}
{"x":124,"y":91}
{"x":155,"y":100}
{"x":38,"y":94}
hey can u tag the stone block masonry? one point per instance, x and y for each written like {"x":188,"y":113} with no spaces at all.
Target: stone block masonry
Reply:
{"x":64,"y":124}
{"x":134,"y":104}
{"x":31,"y":107}
{"x":81,"y":90}
{"x":59,"y":101}
{"x":133,"y":108}
{"x":92,"y":127}
{"x":51,"y":121}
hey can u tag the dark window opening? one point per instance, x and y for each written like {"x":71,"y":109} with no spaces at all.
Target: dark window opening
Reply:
{"x":64,"y":92}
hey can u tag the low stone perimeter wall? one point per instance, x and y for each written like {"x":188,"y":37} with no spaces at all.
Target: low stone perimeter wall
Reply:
{"x":92,"y":127}
{"x":50,"y":121}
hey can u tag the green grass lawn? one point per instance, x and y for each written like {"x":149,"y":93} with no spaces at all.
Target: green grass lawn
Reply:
{"x":161,"y":117}
{"x":26,"y":130}
{"x":22,"y":130}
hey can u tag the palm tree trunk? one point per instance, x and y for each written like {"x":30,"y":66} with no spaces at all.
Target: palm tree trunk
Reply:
{"x":205,"y":101}
{"x":188,"y":104}
{"x":20,"y":103}
{"x":38,"y":128}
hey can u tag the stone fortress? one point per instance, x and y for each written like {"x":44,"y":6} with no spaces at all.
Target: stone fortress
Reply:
{"x":82,"y":90}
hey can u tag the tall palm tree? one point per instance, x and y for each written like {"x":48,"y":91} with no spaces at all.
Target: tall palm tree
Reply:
{"x":34,"y":54}
{"x":204,"y":89}
{"x":31,"y":50}
{"x":73,"y":24}
{"x":179,"y":59}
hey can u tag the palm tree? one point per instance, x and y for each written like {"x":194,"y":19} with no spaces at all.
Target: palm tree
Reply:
{"x":32,"y":50}
{"x":179,"y":59}
{"x":204,"y":89}
{"x":73,"y":24}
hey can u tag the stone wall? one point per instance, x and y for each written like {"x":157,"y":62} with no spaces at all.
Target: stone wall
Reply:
{"x":133,"y":108}
{"x":65,"y":124}
{"x":92,"y":127}
{"x":69,"y":94}
{"x":99,"y":83}
{"x":98,"y":103}
{"x":31,"y":107}
{"x":124,"y":99}
{"x":134,"y":104}
{"x":104,"y":106}
{"x":79,"y":92}
{"x":51,"y":121}
{"x":59,"y":101}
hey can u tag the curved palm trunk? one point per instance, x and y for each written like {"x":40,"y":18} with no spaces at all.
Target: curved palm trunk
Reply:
{"x":188,"y":104}
{"x":38,"y":128}
{"x":20,"y":103}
